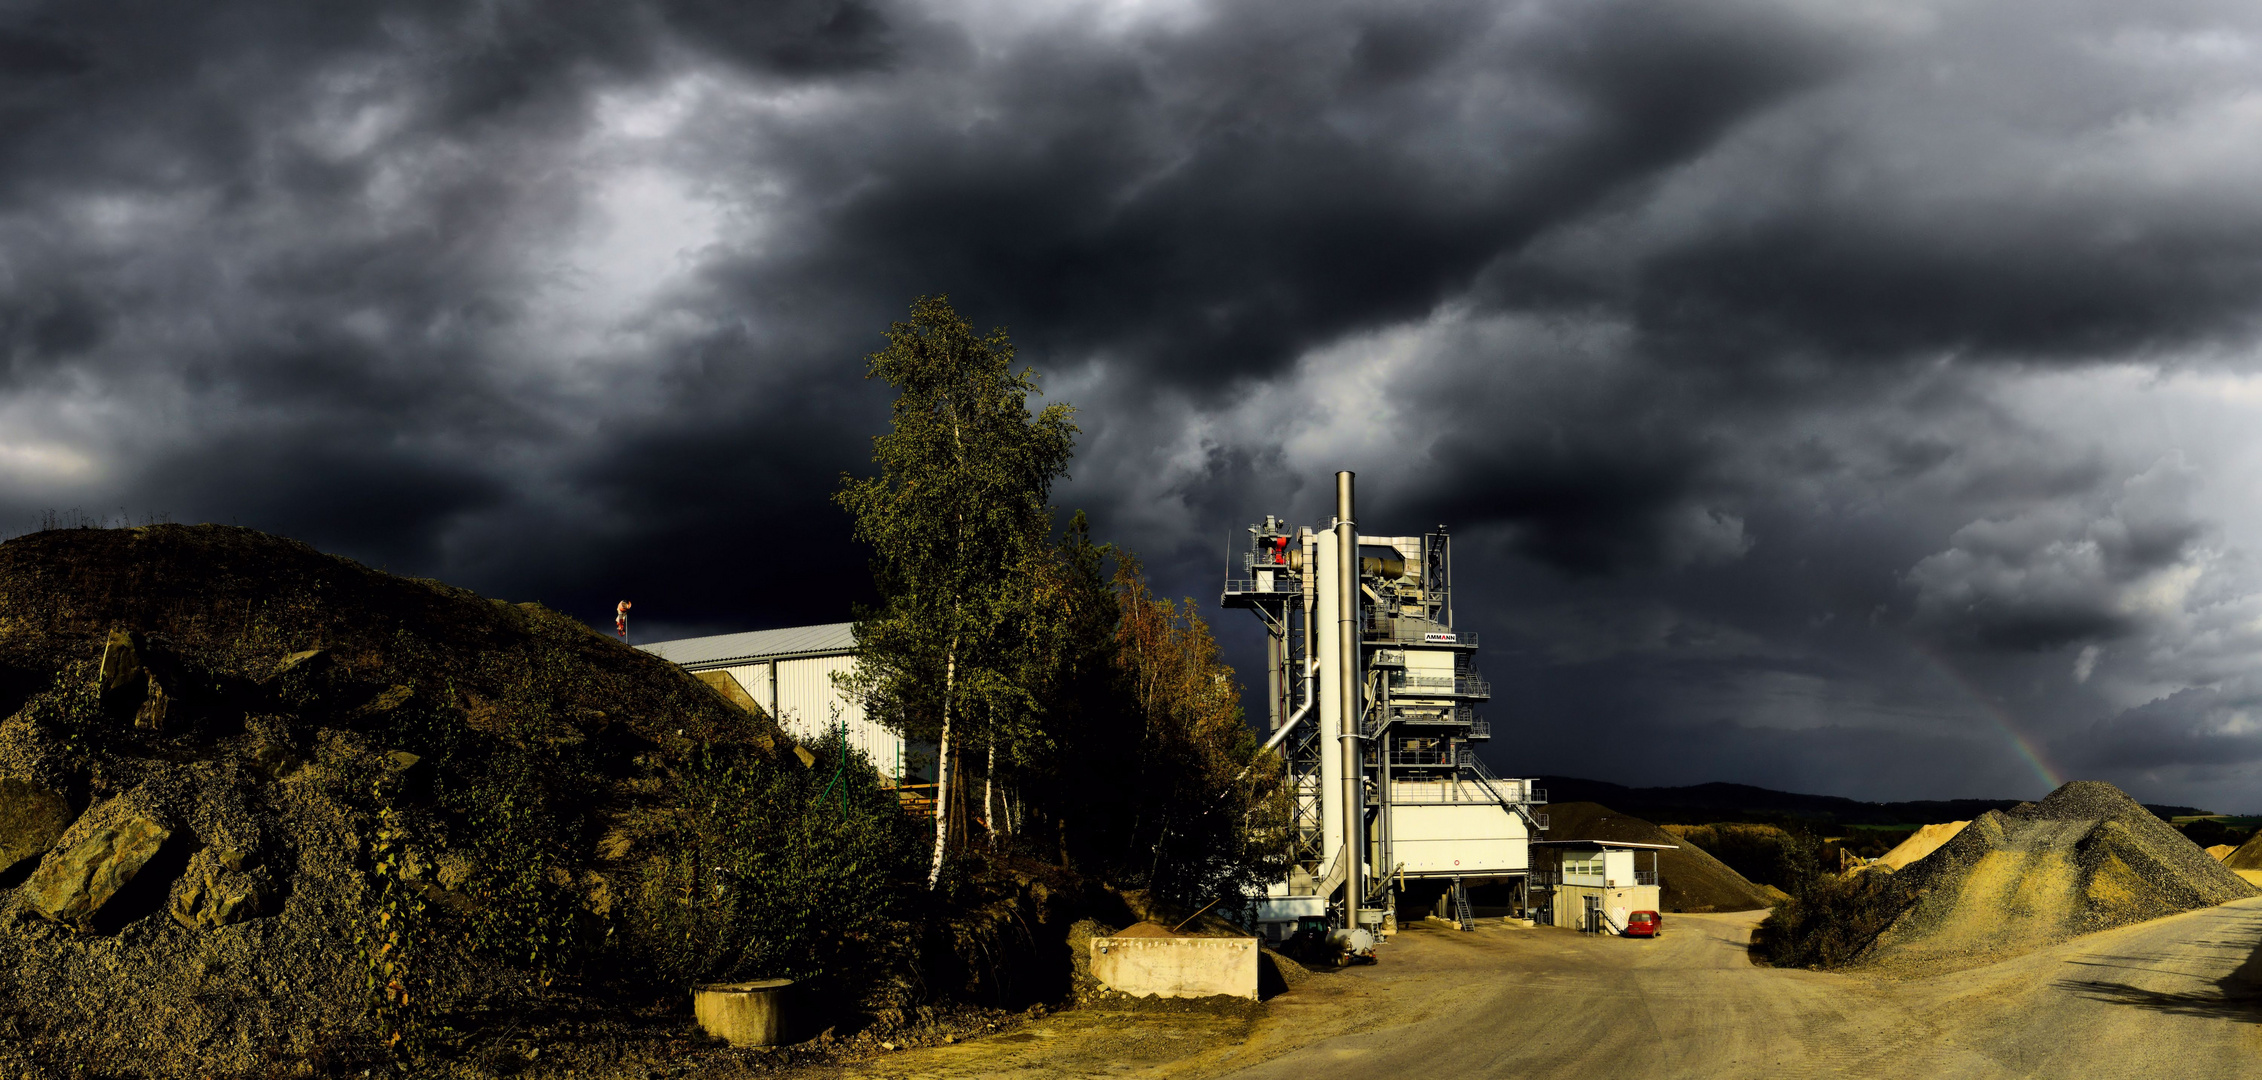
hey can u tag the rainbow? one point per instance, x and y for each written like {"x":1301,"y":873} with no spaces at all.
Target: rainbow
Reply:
{"x":2024,"y":744}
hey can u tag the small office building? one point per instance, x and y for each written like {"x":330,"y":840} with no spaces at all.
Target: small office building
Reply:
{"x":788,"y":673}
{"x":1593,"y":885}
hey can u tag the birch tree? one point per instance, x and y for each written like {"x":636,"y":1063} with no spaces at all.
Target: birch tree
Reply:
{"x":957,"y":519}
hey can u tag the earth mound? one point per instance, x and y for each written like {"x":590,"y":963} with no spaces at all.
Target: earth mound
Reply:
{"x":1690,"y":879}
{"x":2219,"y":852}
{"x":258,"y":804}
{"x":2087,"y":858}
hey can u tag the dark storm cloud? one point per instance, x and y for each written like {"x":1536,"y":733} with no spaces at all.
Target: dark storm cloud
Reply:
{"x":1723,"y":333}
{"x":2046,"y":578}
{"x":2210,"y":729}
{"x":1213,"y":203}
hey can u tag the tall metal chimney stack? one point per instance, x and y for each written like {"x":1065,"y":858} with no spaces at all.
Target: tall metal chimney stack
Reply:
{"x":1351,"y":687}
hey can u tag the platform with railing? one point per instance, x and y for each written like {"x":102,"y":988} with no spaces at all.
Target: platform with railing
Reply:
{"x":1461,"y":721}
{"x":1414,"y":684}
{"x":1391,"y":629}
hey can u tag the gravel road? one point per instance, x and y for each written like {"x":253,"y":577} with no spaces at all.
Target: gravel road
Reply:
{"x":2178,"y":997}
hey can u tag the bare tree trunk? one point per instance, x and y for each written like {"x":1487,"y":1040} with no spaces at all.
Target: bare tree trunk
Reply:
{"x":942,"y":765}
{"x":989,"y":789}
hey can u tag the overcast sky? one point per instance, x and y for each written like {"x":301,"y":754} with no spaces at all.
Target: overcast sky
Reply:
{"x":1854,"y":397}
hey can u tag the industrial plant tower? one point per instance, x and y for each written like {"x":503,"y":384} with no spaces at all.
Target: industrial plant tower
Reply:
{"x":1373,"y":696}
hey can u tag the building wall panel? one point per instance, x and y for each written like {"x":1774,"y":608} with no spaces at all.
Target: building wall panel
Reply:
{"x":1466,"y":838}
{"x":807,"y":700}
{"x":755,"y":680}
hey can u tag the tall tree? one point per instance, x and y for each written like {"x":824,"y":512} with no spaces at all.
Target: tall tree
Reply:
{"x":958,"y":520}
{"x":1210,"y":809}
{"x":1080,"y":733}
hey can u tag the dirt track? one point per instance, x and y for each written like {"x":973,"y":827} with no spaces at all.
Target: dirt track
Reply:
{"x":2177,"y":997}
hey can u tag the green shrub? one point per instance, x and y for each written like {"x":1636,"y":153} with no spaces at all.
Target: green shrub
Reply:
{"x":769,"y":869}
{"x":1831,"y":922}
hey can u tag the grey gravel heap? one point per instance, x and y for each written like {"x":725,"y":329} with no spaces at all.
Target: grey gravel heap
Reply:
{"x":2087,"y":858}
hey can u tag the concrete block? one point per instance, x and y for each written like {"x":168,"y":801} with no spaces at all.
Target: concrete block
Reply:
{"x":746,"y":1013}
{"x":1177,"y":966}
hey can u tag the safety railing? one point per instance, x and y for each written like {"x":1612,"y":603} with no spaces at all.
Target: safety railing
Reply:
{"x":1430,"y":758}
{"x":1424,"y":685}
{"x":1463,"y":790}
{"x":1522,"y":806}
{"x":1433,"y":714}
{"x":1250,"y":560}
{"x":1645,"y":877}
{"x":1276,"y":585}
{"x":1463,"y":719}
{"x":1414,"y":632}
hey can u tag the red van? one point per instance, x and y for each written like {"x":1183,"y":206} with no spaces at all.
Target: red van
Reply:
{"x":1644,"y":924}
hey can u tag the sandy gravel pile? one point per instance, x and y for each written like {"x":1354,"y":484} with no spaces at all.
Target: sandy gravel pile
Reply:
{"x":2220,"y":852}
{"x":2248,"y":856}
{"x":2086,"y":858}
{"x":1923,"y":842}
{"x":1690,"y":879}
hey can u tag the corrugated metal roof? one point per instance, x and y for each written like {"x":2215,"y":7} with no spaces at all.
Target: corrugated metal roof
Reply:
{"x":756,"y":645}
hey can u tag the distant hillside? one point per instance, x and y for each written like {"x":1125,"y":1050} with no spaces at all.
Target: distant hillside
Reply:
{"x":1701,"y":804}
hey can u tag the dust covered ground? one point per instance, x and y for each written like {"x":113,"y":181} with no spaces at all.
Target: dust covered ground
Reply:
{"x":2180,"y":996}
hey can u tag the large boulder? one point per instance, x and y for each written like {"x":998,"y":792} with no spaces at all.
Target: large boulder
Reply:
{"x":77,"y":879}
{"x":32,"y":817}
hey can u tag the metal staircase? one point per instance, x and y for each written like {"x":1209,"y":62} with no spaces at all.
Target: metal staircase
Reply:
{"x":1538,"y":822}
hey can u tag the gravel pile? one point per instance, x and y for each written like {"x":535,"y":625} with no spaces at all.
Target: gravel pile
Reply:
{"x":2087,"y":858}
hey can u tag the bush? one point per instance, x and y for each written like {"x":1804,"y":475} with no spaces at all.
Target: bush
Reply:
{"x":769,"y":869}
{"x":1830,"y":922}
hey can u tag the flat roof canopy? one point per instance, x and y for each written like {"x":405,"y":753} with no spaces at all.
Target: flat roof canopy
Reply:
{"x":1605,"y":844}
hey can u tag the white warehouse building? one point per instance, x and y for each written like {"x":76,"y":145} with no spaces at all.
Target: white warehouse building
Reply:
{"x":789,"y":673}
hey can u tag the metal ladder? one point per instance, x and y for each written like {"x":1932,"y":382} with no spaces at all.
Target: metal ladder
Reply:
{"x":1461,"y":912}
